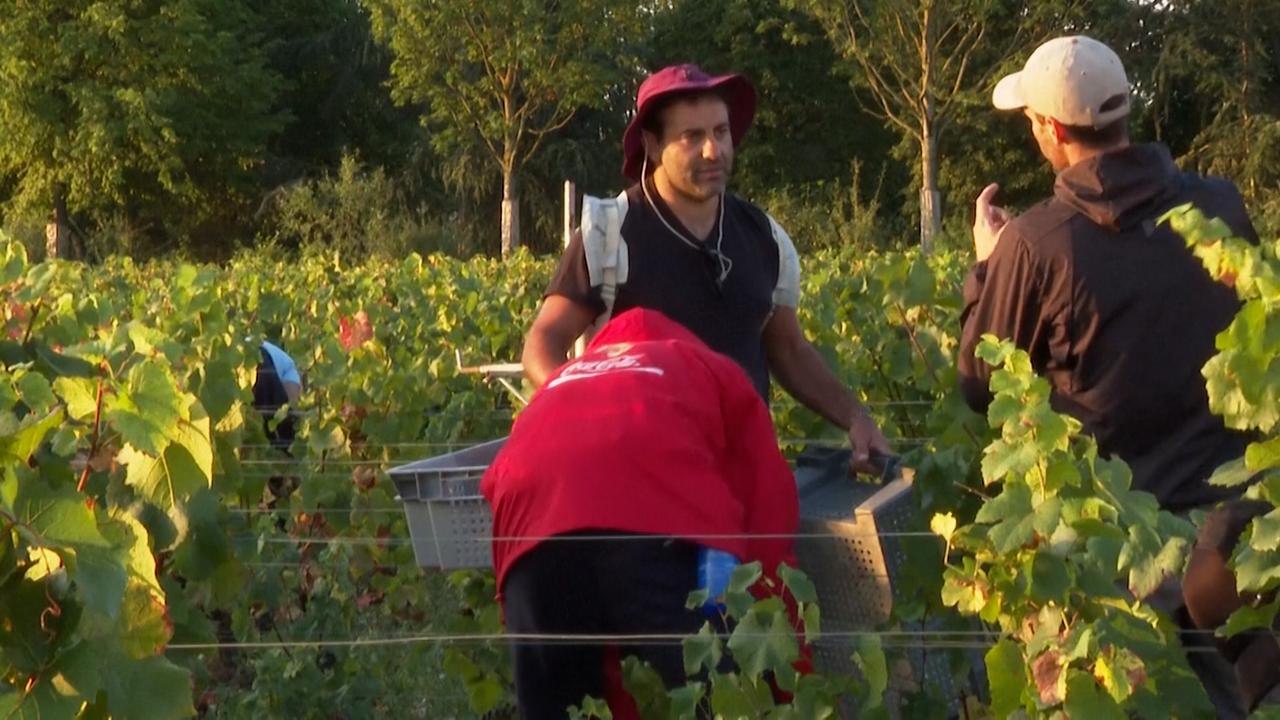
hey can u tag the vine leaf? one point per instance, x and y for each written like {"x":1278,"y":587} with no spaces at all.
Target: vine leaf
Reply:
{"x":147,"y":410}
{"x":1007,"y":675}
{"x":763,"y":641}
{"x":60,"y":516}
{"x":1050,"y":676}
{"x":19,"y":439}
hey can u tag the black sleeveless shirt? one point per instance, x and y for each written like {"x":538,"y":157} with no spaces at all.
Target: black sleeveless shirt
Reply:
{"x":666,"y":274}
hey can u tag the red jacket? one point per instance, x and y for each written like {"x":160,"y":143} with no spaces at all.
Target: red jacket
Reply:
{"x":649,"y":432}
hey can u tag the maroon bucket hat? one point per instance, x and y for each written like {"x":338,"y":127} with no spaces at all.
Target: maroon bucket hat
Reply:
{"x":736,"y":90}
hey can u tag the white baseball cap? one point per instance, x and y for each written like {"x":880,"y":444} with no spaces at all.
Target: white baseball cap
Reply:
{"x":1075,"y":80}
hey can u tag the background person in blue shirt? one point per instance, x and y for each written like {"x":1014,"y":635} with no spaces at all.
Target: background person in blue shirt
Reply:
{"x":277,"y":383}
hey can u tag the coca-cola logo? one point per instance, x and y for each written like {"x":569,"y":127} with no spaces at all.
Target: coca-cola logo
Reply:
{"x":586,"y":366}
{"x":580,"y":369}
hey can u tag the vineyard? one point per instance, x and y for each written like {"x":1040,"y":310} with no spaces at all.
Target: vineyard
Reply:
{"x":161,"y":559}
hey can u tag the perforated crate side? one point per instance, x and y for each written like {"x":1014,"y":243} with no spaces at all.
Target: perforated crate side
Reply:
{"x":450,"y":524}
{"x":464,"y":532}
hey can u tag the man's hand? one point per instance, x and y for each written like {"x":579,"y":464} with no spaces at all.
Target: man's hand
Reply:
{"x":988,"y":222}
{"x":802,"y":371}
{"x":865,"y":436}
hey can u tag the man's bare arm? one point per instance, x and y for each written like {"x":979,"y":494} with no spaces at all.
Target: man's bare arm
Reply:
{"x":804,"y":374}
{"x":559,"y":323}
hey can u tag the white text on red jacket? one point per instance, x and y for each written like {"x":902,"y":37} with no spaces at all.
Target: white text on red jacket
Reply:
{"x":582,"y":369}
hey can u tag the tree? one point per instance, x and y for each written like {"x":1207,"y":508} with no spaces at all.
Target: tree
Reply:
{"x":1216,"y":91}
{"x":805,"y":129}
{"x":335,"y":75}
{"x":135,"y":107}
{"x":497,"y":79}
{"x":984,"y":145}
{"x":915,"y":58}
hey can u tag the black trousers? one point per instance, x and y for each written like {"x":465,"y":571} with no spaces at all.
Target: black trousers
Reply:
{"x":586,"y":585}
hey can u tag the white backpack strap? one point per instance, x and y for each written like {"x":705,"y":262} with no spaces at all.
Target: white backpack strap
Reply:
{"x":604,"y":247}
{"x":787,"y":291}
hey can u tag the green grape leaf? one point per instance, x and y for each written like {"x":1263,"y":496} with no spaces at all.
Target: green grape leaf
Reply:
{"x":145,"y":339}
{"x":702,"y":650}
{"x":1007,"y":675}
{"x":1001,"y":460}
{"x":1009,"y":535}
{"x":737,"y":596}
{"x":169,"y":480}
{"x":147,"y":410}
{"x":8,"y":395}
{"x":1148,"y":569}
{"x":685,"y":700}
{"x":868,"y":655}
{"x":194,"y":435}
{"x":53,"y":363}
{"x":968,"y":594}
{"x":646,"y":686}
{"x":733,"y":696}
{"x":79,"y":671}
{"x":1048,"y":515}
{"x":46,"y":700}
{"x":101,"y":577}
{"x":145,"y":628}
{"x":13,"y":259}
{"x":60,"y":516}
{"x":1257,"y":570}
{"x":762,"y":642}
{"x":1266,"y":531}
{"x":1086,"y":700}
{"x":1230,"y":474}
{"x":20,"y":439}
{"x":1014,"y":502}
{"x":36,"y":391}
{"x":1050,"y":578}
{"x":992,"y":350}
{"x":80,"y":396}
{"x":220,"y":389}
{"x":151,"y":688}
{"x":1251,"y":618}
{"x":811,"y":617}
{"x":801,"y":587}
{"x":1120,"y":672}
{"x":591,"y":708}
{"x":1263,"y":455}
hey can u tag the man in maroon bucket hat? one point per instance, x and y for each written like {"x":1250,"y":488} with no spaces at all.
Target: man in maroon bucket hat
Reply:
{"x":704,"y":257}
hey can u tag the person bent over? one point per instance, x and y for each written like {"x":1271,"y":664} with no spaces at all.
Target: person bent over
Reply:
{"x":627,"y":463}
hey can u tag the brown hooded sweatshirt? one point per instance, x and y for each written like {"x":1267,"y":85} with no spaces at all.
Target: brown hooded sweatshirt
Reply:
{"x":1118,"y":314}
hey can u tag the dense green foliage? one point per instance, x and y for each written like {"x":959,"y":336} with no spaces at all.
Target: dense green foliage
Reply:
{"x":147,"y":521}
{"x":199,"y":141}
{"x":1244,"y":387}
{"x":135,"y":474}
{"x":158,"y":558}
{"x":154,"y":110}
{"x":1055,"y":561}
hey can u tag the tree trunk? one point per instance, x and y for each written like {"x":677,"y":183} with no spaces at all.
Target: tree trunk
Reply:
{"x":57,"y":234}
{"x":930,"y":198}
{"x":510,"y":211}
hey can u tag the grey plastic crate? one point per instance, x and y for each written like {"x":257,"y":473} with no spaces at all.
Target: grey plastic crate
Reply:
{"x":450,"y":524}
{"x":854,"y":566}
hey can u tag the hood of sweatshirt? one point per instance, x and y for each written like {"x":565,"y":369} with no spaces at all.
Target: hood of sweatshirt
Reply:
{"x":1121,"y":188}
